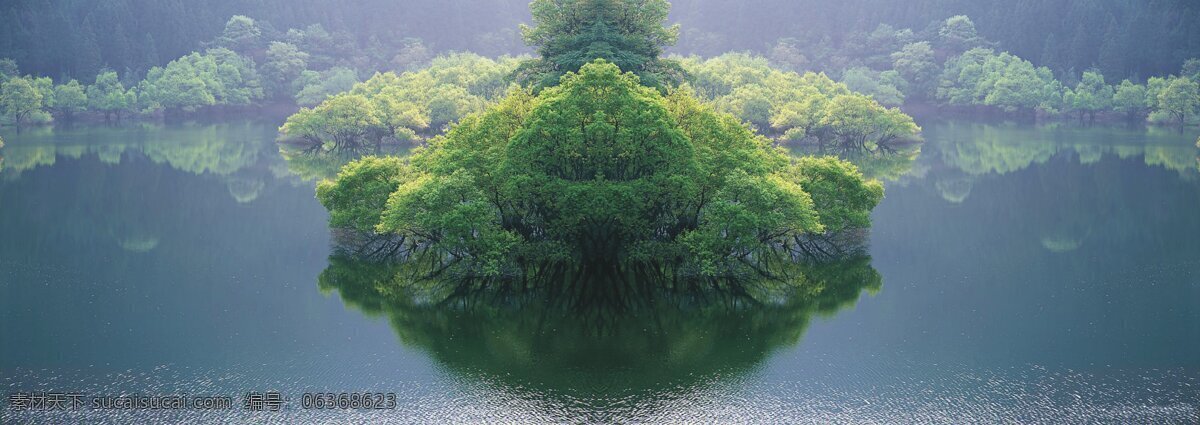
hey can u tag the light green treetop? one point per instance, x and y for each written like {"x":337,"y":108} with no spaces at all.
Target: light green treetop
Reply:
{"x":70,"y":98}
{"x":108,"y":95}
{"x":19,"y":97}
{"x":1180,"y":98}
{"x":1130,"y":98}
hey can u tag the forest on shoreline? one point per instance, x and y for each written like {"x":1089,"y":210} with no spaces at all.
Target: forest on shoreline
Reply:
{"x":67,"y":39}
{"x":945,"y":61}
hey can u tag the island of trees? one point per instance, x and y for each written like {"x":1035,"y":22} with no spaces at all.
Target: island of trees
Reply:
{"x":599,"y":170}
{"x":603,"y":172}
{"x":358,"y":94}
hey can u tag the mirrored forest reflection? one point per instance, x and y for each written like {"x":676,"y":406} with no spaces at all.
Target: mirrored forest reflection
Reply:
{"x":315,"y":165}
{"x":230,"y":150}
{"x":244,"y":158}
{"x":957,"y":152}
{"x":613,"y":352}
{"x":138,"y":186}
{"x":978,"y":149}
{"x":606,"y":351}
{"x":670,"y":342}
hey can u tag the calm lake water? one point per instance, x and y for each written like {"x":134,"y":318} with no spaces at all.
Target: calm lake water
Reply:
{"x":1017,"y":274}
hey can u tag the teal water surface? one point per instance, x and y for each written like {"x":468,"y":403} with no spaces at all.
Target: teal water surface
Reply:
{"x":1016,"y":273}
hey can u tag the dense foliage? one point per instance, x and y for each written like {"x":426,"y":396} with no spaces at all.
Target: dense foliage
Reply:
{"x":247,"y":64}
{"x":1124,"y":39}
{"x":949,"y":64}
{"x":981,"y":77}
{"x":808,"y":106}
{"x":391,"y":107}
{"x":217,"y":77}
{"x":571,"y":33}
{"x":629,"y":34}
{"x":603,"y":172}
{"x":73,"y":38}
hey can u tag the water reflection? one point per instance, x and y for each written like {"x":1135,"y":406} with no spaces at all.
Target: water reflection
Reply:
{"x":593,"y":353}
{"x":957,"y":153}
{"x":314,"y":165}
{"x":895,"y":164}
{"x":599,"y":354}
{"x":242,"y":155}
{"x":125,"y":174}
{"x":988,"y":240}
{"x":220,"y":149}
{"x":976,"y":149}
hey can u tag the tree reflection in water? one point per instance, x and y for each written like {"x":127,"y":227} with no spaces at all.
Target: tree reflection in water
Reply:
{"x":619,"y":341}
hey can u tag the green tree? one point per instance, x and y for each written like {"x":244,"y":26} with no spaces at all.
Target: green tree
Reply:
{"x":916,"y":64}
{"x":401,"y":117}
{"x":20,"y":98}
{"x":413,"y":55}
{"x":284,"y":63}
{"x":217,"y":77}
{"x":361,"y":191}
{"x":414,"y":104}
{"x":70,"y":98}
{"x":884,"y":87}
{"x":793,"y":105}
{"x":982,"y":77}
{"x":108,"y":95}
{"x":1091,"y":95}
{"x":345,"y":120}
{"x":1180,"y":98}
{"x":839,"y":191}
{"x":879,"y":44}
{"x":314,"y":87}
{"x":571,"y":33}
{"x":1130,"y":98}
{"x":786,"y":54}
{"x":600,"y":172}
{"x":241,"y":35}
{"x":859,"y":121}
{"x":958,"y":34}
{"x":45,"y":87}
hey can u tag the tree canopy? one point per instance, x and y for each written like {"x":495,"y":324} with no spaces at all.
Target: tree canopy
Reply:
{"x":19,"y":98}
{"x":402,"y":107}
{"x":571,"y":33}
{"x":219,"y":76}
{"x":603,"y":172}
{"x":798,"y":107}
{"x":109,"y":96}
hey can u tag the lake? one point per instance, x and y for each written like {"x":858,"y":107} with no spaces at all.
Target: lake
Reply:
{"x":1017,"y":273}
